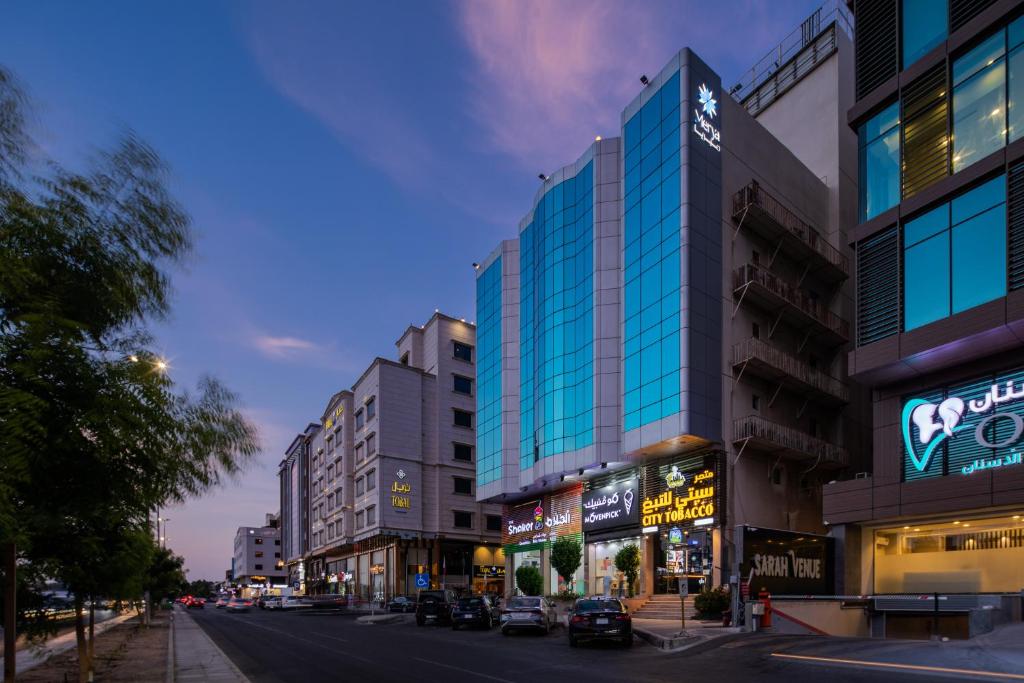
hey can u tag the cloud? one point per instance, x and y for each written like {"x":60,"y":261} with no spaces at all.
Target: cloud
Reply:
{"x":283,"y":347}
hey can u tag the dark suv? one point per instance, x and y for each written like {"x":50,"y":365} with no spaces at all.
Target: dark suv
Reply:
{"x":435,"y":607}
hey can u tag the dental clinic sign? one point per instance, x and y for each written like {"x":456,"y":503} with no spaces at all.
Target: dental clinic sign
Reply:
{"x":704,"y":115}
{"x":965,"y":429}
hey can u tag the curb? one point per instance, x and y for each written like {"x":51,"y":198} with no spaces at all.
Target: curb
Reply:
{"x":170,"y":649}
{"x":242,"y":678}
{"x":689,"y":644}
{"x":372,"y":619}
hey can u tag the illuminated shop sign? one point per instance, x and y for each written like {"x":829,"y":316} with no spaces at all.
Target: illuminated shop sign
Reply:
{"x":338,"y":412}
{"x":786,"y":562}
{"x":489,"y":571}
{"x":544,"y":519}
{"x":611,"y":506}
{"x":964,"y":429}
{"x":703,"y":115}
{"x":400,"y":490}
{"x":678,"y":504}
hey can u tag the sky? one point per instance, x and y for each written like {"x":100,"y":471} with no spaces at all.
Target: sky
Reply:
{"x":344,"y":164}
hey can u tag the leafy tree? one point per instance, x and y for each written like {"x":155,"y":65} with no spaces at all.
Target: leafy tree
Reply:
{"x":93,"y":433}
{"x":165,"y":578}
{"x":529,"y":580}
{"x":627,"y":561}
{"x":566,"y":557}
{"x":201,"y":587}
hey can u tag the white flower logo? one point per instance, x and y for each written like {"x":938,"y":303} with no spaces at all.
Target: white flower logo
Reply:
{"x":707,"y":102}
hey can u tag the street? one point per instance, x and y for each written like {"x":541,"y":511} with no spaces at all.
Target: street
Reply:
{"x":275,"y":647}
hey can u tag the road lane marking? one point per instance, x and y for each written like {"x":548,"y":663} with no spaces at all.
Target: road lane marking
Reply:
{"x":904,"y":667}
{"x":465,"y":671}
{"x":313,"y":642}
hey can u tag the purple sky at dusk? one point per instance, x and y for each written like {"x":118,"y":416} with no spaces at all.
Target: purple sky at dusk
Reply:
{"x":344,"y":164}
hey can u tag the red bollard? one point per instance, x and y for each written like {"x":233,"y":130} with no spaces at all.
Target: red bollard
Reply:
{"x":766,"y":599}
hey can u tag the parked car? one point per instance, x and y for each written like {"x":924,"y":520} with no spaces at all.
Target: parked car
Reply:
{"x":528,"y":613}
{"x":272,"y":603}
{"x":402,"y":603}
{"x":239,"y":605}
{"x":294,"y":602}
{"x":600,"y":618}
{"x":475,"y":610}
{"x":434,"y":607}
{"x":221,"y":602}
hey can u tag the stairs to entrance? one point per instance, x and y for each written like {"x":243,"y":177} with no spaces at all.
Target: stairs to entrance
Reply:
{"x":665,"y":607}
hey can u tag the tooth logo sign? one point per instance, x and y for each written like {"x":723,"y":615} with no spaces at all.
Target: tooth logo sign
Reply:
{"x":922,"y":415}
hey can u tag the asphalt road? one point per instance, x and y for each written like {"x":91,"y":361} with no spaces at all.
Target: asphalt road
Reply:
{"x":276,"y":647}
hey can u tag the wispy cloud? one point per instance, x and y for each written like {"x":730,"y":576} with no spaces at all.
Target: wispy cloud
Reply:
{"x":283,"y":347}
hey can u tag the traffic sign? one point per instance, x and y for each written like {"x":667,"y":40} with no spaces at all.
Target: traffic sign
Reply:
{"x":423,"y":580}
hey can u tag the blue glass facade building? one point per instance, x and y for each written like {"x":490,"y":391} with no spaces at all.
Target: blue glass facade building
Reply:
{"x":488,"y":374}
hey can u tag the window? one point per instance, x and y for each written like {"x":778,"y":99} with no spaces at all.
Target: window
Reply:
{"x":494,"y":522}
{"x":359,"y":419}
{"x":360,"y":486}
{"x":924,"y":26}
{"x":404,"y":360}
{"x":462,"y":520}
{"x":360,"y":454}
{"x":463,"y":418}
{"x":277,"y":555}
{"x":259,"y":553}
{"x":371,"y":408}
{"x":258,"y":541}
{"x":463,"y":485}
{"x":979,"y":102}
{"x":277,"y":541}
{"x":371,"y":445}
{"x":462,"y":385}
{"x":359,"y":520}
{"x":330,"y":471}
{"x":879,"y":142}
{"x":316,"y":514}
{"x":258,"y":566}
{"x":1015,"y":80}
{"x":462,"y":351}
{"x":462,"y":451}
{"x":330,"y":445}
{"x":371,"y":515}
{"x":371,"y":480}
{"x":955,"y":255}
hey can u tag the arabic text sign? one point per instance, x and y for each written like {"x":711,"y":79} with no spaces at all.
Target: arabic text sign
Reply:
{"x":964,"y":429}
{"x":543,"y":519}
{"x":787,"y":562}
{"x":611,"y":506}
{"x":688,"y":501}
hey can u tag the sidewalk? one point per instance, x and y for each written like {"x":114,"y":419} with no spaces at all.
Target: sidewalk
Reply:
{"x":698,"y":635}
{"x":30,"y":657}
{"x":196,"y":656}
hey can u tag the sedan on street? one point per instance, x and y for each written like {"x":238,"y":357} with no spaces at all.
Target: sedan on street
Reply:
{"x":221,"y":602}
{"x":600,"y":618}
{"x":476,"y":610}
{"x":529,"y":614}
{"x":238,"y":605}
{"x":402,"y":603}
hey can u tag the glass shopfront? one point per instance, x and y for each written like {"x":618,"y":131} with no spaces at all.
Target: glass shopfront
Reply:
{"x":682,"y":556}
{"x":602,"y":576}
{"x":529,"y":529}
{"x":955,"y":556}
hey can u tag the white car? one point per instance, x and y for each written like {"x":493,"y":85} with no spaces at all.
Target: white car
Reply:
{"x":272,"y":603}
{"x":293,"y":602}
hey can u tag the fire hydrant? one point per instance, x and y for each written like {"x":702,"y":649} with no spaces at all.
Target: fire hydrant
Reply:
{"x":766,"y":599}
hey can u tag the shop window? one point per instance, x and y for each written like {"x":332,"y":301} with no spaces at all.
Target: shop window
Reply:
{"x":463,"y":485}
{"x":925,"y":25}
{"x":494,"y":522}
{"x":879,"y":143}
{"x":462,"y":451}
{"x":462,"y":520}
{"x":462,"y":418}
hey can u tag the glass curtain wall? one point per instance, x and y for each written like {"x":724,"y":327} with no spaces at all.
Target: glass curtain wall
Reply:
{"x":879,"y":142}
{"x":925,"y":25}
{"x":652,"y":259}
{"x":488,"y":379}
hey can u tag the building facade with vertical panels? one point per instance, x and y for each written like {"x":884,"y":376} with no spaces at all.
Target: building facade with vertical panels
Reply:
{"x":391,"y":475}
{"x":940,"y":313}
{"x":730,"y":283}
{"x":293,"y":479}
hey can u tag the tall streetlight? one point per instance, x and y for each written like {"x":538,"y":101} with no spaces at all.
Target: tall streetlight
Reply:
{"x":162,"y":536}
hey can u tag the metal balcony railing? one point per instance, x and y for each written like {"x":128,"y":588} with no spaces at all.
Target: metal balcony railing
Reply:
{"x":765,"y":353}
{"x":752,"y":203}
{"x":784,"y":293}
{"x":775,"y":436}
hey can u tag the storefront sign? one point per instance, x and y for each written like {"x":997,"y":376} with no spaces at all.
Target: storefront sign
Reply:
{"x":611,"y":506}
{"x":703,"y":115}
{"x":787,"y":562}
{"x":489,"y":571}
{"x":543,"y":520}
{"x":964,"y":430}
{"x":687,"y":499}
{"x":376,"y":569}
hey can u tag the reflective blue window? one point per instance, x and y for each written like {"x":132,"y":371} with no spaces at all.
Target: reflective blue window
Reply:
{"x":556,"y":261}
{"x":979,"y":102}
{"x":955,"y":255}
{"x":879,"y":142}
{"x":488,"y":374}
{"x":652,"y":259}
{"x":924,"y":27}
{"x":1015,"y":80}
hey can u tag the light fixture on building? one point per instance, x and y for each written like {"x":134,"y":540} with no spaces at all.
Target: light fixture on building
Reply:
{"x":476,"y":266}
{"x":643,"y":79}
{"x":597,"y":138}
{"x":542,"y":176}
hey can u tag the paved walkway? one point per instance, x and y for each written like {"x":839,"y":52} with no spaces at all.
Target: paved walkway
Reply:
{"x":668,"y":635}
{"x":196,"y":657}
{"x":30,"y":657}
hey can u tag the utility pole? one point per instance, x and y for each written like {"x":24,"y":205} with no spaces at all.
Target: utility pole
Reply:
{"x":10,"y":611}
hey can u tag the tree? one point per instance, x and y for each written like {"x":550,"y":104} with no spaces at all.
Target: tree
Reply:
{"x":165,"y":576}
{"x":93,"y":433}
{"x":529,"y":580}
{"x":566,"y":557}
{"x":201,"y":587}
{"x":627,"y":561}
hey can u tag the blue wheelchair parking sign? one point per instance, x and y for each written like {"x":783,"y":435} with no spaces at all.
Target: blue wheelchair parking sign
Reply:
{"x":423,"y":580}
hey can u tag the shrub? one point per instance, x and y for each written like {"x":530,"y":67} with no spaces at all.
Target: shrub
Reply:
{"x":627,"y":561}
{"x":566,"y":557}
{"x":529,"y":580}
{"x":711,"y":602}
